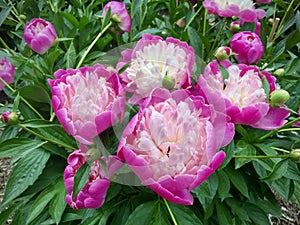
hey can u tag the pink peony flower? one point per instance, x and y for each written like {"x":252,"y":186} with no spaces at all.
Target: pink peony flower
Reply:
{"x":247,"y":46}
{"x":7,"y":71}
{"x":93,"y":193}
{"x":243,"y":9}
{"x":244,"y":94}
{"x":119,"y":14}
{"x":263,"y":1}
{"x":87,"y":100}
{"x":40,"y":35}
{"x":171,"y":143}
{"x":155,"y":62}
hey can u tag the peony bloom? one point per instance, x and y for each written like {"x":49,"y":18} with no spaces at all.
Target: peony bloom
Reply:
{"x":155,"y":62}
{"x":171,"y":143}
{"x":244,"y":93}
{"x":40,"y":35}
{"x":87,"y":100}
{"x":247,"y":46}
{"x":243,"y":9}
{"x":7,"y":71}
{"x":94,"y":191}
{"x":119,"y":14}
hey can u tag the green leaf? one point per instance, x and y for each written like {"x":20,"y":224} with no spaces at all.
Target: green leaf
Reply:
{"x":256,"y":214}
{"x":58,"y":203}
{"x":224,"y":184}
{"x":144,"y":214}
{"x":184,"y":215}
{"x":224,"y":215}
{"x":237,"y":208}
{"x":292,"y":39}
{"x":208,"y":188}
{"x":80,"y":179}
{"x":278,"y":171}
{"x":237,"y":180}
{"x":266,"y":86}
{"x":229,"y":150}
{"x":18,"y":146}
{"x":122,"y":214}
{"x":4,"y":13}
{"x":243,"y":149}
{"x":195,"y":40}
{"x":24,"y":174}
{"x":35,"y":94}
{"x":70,"y":56}
{"x":37,"y":123}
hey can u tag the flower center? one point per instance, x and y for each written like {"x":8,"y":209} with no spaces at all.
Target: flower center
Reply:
{"x":171,"y":138}
{"x":37,"y":28}
{"x":155,"y":61}
{"x":86,"y":96}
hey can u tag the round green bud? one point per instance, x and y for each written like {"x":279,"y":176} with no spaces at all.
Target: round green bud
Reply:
{"x":295,"y":155}
{"x":279,"y":72}
{"x":279,"y":97}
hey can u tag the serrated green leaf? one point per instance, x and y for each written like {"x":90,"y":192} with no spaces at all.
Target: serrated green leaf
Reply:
{"x":24,"y":174}
{"x":80,"y":179}
{"x":184,"y":215}
{"x":18,"y":146}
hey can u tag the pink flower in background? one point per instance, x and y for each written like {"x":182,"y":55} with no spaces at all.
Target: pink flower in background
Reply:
{"x":155,"y":62}
{"x":7,"y":71}
{"x":87,"y":100}
{"x":243,"y":9}
{"x":119,"y":14}
{"x":93,"y":193}
{"x":40,"y":35}
{"x":171,"y":143}
{"x":247,"y":46}
{"x":244,"y":94}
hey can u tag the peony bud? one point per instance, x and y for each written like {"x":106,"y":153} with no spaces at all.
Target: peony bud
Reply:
{"x":168,"y":82}
{"x":235,"y":27}
{"x":279,"y":97}
{"x":119,"y":14}
{"x":295,"y":155}
{"x":40,"y":35}
{"x":10,"y":118}
{"x":247,"y":46}
{"x":279,"y":72}
{"x":7,"y":71}
{"x":223,"y":53}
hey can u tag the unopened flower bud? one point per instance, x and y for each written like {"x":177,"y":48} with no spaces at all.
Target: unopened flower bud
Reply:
{"x":22,"y":17}
{"x":10,"y":118}
{"x":223,"y":53}
{"x":168,"y":82}
{"x":235,"y":27}
{"x":116,"y":18}
{"x":279,"y":72}
{"x":92,"y":155}
{"x":295,"y":155}
{"x":279,"y":97}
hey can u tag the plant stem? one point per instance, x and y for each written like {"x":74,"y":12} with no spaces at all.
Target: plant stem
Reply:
{"x":191,"y":20}
{"x":217,"y":37}
{"x":44,"y":138}
{"x":92,"y":44}
{"x":171,"y":213}
{"x":280,"y":149}
{"x":6,"y":46}
{"x":279,"y":129}
{"x":23,"y":99}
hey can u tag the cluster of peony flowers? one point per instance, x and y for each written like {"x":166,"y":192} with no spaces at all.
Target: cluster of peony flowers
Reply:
{"x":174,"y":141}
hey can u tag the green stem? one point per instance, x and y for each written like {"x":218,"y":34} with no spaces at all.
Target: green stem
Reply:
{"x":6,"y":46}
{"x":44,"y":138}
{"x":92,"y":44}
{"x":191,"y":20}
{"x":171,"y":213}
{"x":280,"y":149}
{"x":23,"y":99}
{"x":217,"y":37}
{"x":279,"y":129}
{"x":204,"y":31}
{"x":260,"y":156}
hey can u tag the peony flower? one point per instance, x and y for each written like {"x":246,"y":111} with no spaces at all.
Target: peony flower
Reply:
{"x":87,"y":100}
{"x":244,"y":93}
{"x":119,"y":14}
{"x":243,"y":9}
{"x":40,"y":35}
{"x":247,"y":46}
{"x":94,"y":191}
{"x":154,"y":60}
{"x":7,"y":71}
{"x":171,"y":143}
{"x":263,"y":1}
